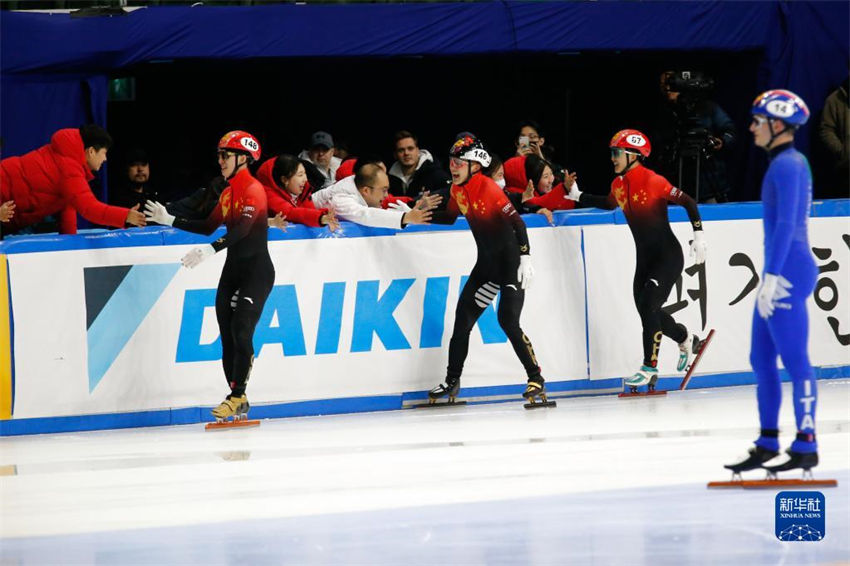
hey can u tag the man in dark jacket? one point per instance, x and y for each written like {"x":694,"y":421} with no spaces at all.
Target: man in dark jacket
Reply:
{"x":415,"y":170}
{"x":136,"y":187}
{"x":834,"y":132}
{"x":54,"y":179}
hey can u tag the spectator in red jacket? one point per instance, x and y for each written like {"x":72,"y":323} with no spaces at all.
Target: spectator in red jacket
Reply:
{"x":535,"y":178}
{"x":287,"y":190}
{"x":54,"y":180}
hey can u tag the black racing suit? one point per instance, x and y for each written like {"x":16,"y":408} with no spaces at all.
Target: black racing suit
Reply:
{"x":501,"y":237}
{"x":643,"y":195}
{"x":248,"y":274}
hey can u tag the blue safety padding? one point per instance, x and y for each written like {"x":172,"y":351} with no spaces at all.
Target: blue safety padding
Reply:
{"x":192,"y":415}
{"x":159,"y":235}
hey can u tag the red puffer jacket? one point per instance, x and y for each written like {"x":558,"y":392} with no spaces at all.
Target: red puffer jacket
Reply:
{"x":55,"y":179}
{"x":297,"y":210}
{"x":516,"y":181}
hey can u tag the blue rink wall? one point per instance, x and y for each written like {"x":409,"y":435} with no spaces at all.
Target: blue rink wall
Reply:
{"x":397,"y":316}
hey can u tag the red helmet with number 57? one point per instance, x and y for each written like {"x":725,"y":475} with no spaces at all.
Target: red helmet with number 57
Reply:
{"x":240,"y":141}
{"x":632,"y":141}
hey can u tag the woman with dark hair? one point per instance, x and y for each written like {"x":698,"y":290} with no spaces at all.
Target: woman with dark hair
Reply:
{"x":533,"y":180}
{"x":530,"y":140}
{"x":288,"y":192}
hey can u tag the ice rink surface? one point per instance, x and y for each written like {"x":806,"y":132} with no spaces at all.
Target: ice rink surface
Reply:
{"x":597,"y":480}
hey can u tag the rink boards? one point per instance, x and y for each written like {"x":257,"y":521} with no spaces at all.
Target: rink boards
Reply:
{"x":107,"y":330}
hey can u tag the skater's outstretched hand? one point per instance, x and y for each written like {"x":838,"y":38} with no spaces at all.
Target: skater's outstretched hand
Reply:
{"x":699,"y":247}
{"x":197,"y":255}
{"x":156,"y":212}
{"x":573,"y":193}
{"x":525,"y":273}
{"x":399,"y":205}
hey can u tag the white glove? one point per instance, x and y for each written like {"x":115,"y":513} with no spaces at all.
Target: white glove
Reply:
{"x":574,"y":193}
{"x":197,"y":255}
{"x":699,"y":248}
{"x":773,"y":288}
{"x":156,"y":212}
{"x":525,"y":273}
{"x":399,"y":205}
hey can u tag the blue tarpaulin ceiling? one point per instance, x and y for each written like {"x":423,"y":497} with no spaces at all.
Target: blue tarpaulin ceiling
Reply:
{"x":49,"y":58}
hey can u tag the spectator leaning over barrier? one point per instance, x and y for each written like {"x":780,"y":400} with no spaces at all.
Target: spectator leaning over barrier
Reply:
{"x":358,"y":199}
{"x":530,"y":180}
{"x":321,"y":154}
{"x":248,"y":274}
{"x":353,"y":164}
{"x":55,"y":179}
{"x":287,"y":190}
{"x":415,"y":170}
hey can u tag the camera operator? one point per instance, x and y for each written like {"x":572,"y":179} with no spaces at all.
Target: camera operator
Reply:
{"x":694,"y":135}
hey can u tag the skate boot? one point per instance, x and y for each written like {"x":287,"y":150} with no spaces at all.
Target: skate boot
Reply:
{"x":792,"y":461}
{"x":450,"y":388}
{"x":690,"y":347}
{"x":752,"y":461}
{"x":235,"y":408}
{"x":535,"y":389}
{"x":646,"y":375}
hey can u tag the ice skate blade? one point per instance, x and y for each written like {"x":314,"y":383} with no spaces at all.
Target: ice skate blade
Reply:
{"x":690,"y":370}
{"x":231,"y":424}
{"x":434,"y":404}
{"x":768,"y":484}
{"x":540,"y":404}
{"x":652,"y":393}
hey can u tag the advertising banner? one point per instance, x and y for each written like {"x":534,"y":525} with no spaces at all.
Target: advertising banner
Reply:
{"x":127,"y":329}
